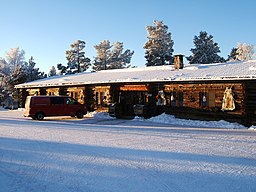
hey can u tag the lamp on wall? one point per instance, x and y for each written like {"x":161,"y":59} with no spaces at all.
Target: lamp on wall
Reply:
{"x":204,"y":97}
{"x":172,"y":97}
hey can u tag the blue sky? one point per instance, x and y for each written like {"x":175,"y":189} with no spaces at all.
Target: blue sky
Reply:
{"x":45,"y":29}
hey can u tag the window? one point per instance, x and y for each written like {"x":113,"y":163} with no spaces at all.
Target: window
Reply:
{"x":70,"y":101}
{"x":57,"y":100}
{"x":102,"y":96}
{"x":203,"y":100}
{"x":176,"y":99}
{"x":207,"y":99}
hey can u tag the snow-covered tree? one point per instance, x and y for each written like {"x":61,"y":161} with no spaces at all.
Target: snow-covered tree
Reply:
{"x":17,"y":75}
{"x":61,"y":69}
{"x":205,"y":51}
{"x":119,"y":58}
{"x":102,"y":60}
{"x":16,"y":66}
{"x":244,"y":52}
{"x":111,"y":56}
{"x":15,"y":70}
{"x":4,"y":73}
{"x":77,"y":62}
{"x":4,"y":67}
{"x":11,"y":72}
{"x":31,"y":72}
{"x":159,"y":47}
{"x":15,"y":56}
{"x":52,"y":72}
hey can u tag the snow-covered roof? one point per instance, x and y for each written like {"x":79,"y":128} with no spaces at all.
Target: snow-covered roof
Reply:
{"x":193,"y":72}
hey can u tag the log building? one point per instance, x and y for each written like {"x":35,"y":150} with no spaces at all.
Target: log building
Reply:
{"x":197,"y":91}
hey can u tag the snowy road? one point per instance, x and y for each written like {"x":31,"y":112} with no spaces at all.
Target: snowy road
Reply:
{"x":110,"y":155}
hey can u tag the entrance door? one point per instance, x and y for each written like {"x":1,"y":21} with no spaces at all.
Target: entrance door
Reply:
{"x":180,"y":99}
{"x":176,"y":99}
{"x":130,"y":98}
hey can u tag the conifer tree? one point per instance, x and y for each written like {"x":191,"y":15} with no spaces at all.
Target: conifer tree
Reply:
{"x":15,"y":59}
{"x":159,"y":47}
{"x":111,"y":56}
{"x":4,"y":67}
{"x":233,"y":55}
{"x":205,"y":51}
{"x":31,"y":72}
{"x":102,"y":60}
{"x":15,"y":70}
{"x":77,"y":62}
{"x":52,"y":72}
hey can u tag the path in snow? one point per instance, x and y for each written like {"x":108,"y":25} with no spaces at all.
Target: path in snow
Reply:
{"x":120,"y":155}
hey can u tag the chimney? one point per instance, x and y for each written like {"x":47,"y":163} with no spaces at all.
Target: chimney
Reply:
{"x":178,"y":62}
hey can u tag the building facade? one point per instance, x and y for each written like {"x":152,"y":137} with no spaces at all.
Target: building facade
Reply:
{"x":208,"y":92}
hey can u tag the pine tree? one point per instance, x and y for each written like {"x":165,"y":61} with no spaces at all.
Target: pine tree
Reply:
{"x":77,"y":62}
{"x":120,"y":59}
{"x":102,"y":60}
{"x":32,"y":73}
{"x":205,"y":51}
{"x":17,"y":75}
{"x":159,"y":47}
{"x":111,"y":56}
{"x":233,"y":55}
{"x":52,"y":72}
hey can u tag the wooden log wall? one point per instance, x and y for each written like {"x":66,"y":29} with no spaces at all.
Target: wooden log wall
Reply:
{"x":22,"y":97}
{"x":102,"y":98}
{"x":191,"y":94}
{"x":77,"y":93}
{"x":52,"y":91}
{"x":33,"y":91}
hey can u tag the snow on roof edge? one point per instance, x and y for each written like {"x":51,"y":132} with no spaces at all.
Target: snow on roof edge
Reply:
{"x":166,"y":73}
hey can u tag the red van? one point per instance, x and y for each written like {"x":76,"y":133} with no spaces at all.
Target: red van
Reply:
{"x":38,"y":107}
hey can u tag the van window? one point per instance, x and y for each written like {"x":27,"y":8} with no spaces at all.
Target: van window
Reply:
{"x":70,"y":101}
{"x":57,"y":100}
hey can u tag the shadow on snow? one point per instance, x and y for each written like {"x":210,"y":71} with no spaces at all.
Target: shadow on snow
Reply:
{"x":30,"y":165}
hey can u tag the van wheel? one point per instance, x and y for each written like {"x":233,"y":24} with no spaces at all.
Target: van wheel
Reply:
{"x":80,"y":114}
{"x":40,"y":116}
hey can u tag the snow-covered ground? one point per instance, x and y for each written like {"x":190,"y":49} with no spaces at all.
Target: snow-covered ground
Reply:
{"x":103,"y":154}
